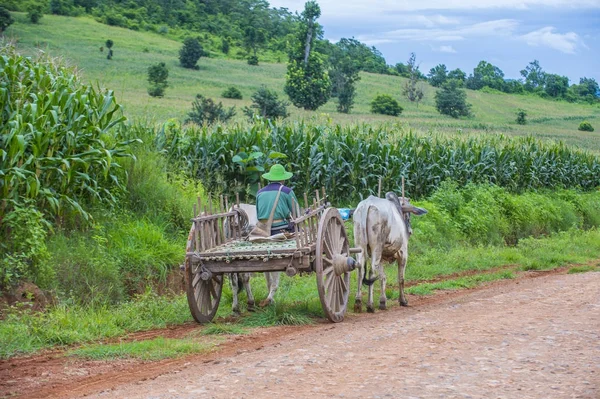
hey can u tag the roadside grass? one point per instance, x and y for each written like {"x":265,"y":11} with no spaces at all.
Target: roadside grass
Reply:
{"x":583,"y":269}
{"x":78,"y":41}
{"x":457,"y":284}
{"x":223,"y":329}
{"x":154,"y":349}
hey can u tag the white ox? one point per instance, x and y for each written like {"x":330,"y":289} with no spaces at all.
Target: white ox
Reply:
{"x":239,"y":281}
{"x":381,"y":230}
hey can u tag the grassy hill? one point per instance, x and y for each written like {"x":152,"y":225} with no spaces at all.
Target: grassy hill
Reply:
{"x":78,"y":40}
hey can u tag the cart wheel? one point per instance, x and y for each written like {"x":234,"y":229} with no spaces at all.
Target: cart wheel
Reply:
{"x":203,"y":295}
{"x":332,"y":251}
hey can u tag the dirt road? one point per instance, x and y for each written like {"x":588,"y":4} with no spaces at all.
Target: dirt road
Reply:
{"x":539,"y":338}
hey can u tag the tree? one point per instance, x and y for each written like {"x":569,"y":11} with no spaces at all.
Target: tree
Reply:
{"x":413,"y":92}
{"x":253,"y":39}
{"x":35,"y":12}
{"x":307,"y":82}
{"x":556,"y":85}
{"x":157,"y":76}
{"x":225,"y":46}
{"x":266,"y":103}
{"x":344,"y":75}
{"x":589,"y":87}
{"x":438,"y":75}
{"x":206,"y":111}
{"x":190,"y":53}
{"x":534,"y":76}
{"x":386,"y":105}
{"x":521,"y":116}
{"x":486,"y":74}
{"x":109,"y":43}
{"x":452,"y":100}
{"x":5,"y":19}
{"x":368,"y":59}
{"x":458,"y":75}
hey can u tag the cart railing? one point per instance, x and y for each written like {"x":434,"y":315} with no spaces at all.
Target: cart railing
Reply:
{"x":216,"y":225}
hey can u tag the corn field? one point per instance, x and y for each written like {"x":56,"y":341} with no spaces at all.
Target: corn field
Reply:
{"x":57,"y":151}
{"x":348,"y":161}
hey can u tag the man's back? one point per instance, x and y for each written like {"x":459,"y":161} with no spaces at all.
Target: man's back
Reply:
{"x":265,"y":200}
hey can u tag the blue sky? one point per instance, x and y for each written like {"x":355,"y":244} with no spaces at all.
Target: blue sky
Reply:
{"x":564,"y":35}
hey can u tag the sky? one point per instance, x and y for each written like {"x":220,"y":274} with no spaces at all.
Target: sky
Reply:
{"x":563,"y":35}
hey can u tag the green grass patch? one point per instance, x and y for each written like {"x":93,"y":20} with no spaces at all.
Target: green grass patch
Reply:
{"x":280,"y":315}
{"x":224,"y":329}
{"x":459,"y":283}
{"x":583,"y":269}
{"x":154,"y":349}
{"x":24,"y":332}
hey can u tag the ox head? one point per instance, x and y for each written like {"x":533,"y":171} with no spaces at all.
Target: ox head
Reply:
{"x":405,"y":209}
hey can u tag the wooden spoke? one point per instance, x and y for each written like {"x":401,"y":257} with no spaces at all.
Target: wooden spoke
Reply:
{"x":330,"y":244}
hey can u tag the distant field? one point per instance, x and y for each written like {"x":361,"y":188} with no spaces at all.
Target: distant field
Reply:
{"x":78,"y":40}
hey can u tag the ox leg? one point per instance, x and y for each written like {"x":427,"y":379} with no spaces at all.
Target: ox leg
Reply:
{"x":235,"y":308}
{"x":272,"y":285}
{"x":382,"y":296}
{"x":246,"y":281}
{"x":376,"y":271}
{"x":361,"y":275}
{"x":402,"y":258}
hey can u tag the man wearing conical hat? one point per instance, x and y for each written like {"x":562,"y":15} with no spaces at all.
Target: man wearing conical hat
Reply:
{"x":266,"y":197}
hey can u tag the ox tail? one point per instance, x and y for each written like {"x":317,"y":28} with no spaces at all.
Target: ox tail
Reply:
{"x":363,"y":238}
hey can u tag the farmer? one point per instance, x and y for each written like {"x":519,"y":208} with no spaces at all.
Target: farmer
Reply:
{"x":266,"y":197}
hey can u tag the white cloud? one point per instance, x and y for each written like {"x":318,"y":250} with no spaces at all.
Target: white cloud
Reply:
{"x":343,"y":8}
{"x":500,"y":27}
{"x":566,"y":43}
{"x":445,"y":49}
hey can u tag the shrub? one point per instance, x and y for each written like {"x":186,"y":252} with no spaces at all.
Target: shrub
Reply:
{"x":451,"y":100}
{"x":157,"y":76}
{"x":35,"y":12}
{"x":386,"y":105}
{"x":585,"y":126}
{"x":266,"y":103}
{"x":109,"y":44}
{"x":521,"y":116}
{"x":225,"y":46}
{"x":232,"y":92}
{"x":206,"y":111}
{"x":253,"y":60}
{"x":5,"y":19}
{"x":190,"y":53}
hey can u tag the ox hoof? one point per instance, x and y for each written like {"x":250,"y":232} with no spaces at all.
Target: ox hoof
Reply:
{"x":266,"y":302}
{"x":357,"y":307}
{"x":403,"y":303}
{"x":382,"y":306}
{"x":370,"y":309}
{"x":251,"y":306}
{"x":236,"y":311}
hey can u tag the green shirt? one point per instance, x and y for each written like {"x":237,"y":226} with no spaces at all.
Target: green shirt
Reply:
{"x":265,"y":200}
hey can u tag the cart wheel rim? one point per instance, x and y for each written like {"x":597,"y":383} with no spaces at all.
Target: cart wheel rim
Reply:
{"x":332,"y":243}
{"x":203,"y":295}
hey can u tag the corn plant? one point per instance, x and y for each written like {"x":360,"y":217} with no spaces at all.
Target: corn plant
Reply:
{"x":348,"y":161}
{"x":57,"y":145}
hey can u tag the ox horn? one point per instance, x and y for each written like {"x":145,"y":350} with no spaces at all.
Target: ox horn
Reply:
{"x":406,"y":207}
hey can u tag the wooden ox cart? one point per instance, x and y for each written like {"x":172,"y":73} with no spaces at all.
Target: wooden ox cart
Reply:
{"x":216,"y":245}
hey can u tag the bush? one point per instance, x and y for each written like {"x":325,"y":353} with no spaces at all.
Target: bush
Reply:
{"x":386,"y":105}
{"x":232,"y":92}
{"x":35,"y":12}
{"x":585,"y":126}
{"x":190,"y":53}
{"x":253,"y":60}
{"x":451,"y":100}
{"x":206,"y":111}
{"x":5,"y":19}
{"x":157,"y":76}
{"x":521,"y":116}
{"x":225,"y":46}
{"x":266,"y":103}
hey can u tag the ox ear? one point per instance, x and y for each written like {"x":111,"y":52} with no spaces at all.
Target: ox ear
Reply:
{"x":413,"y":209}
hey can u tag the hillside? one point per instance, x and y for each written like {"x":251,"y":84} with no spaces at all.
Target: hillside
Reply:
{"x":78,"y":40}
